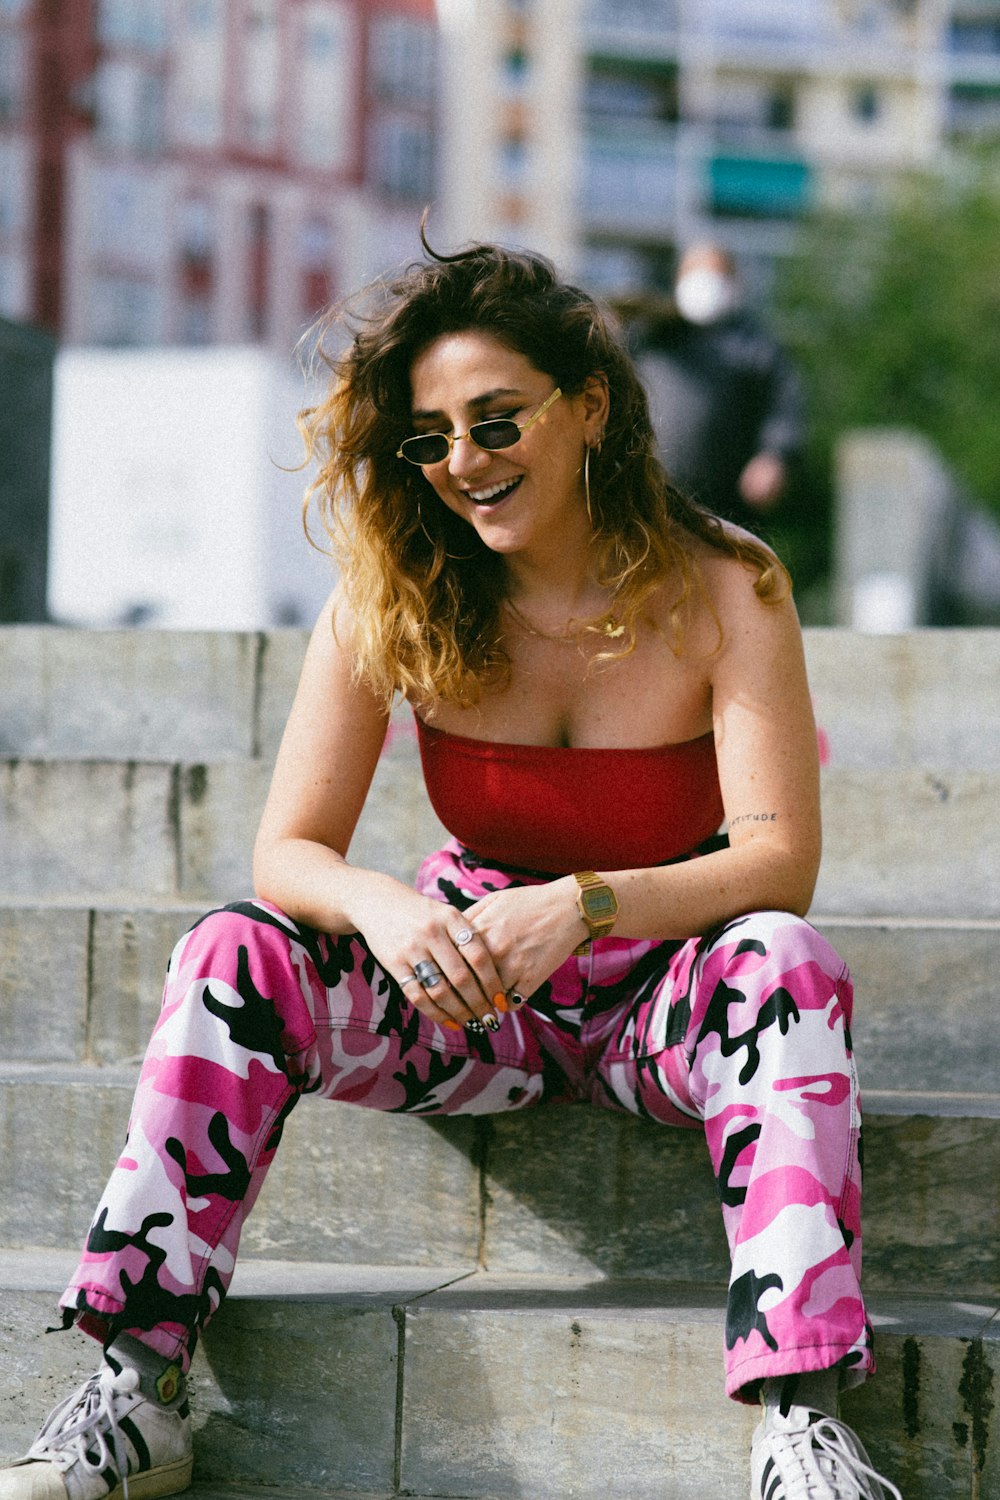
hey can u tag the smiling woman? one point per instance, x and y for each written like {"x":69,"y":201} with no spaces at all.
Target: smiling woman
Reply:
{"x":602,"y":674}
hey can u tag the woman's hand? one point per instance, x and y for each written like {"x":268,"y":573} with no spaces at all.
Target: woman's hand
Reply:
{"x":416,"y":938}
{"x":529,"y":930}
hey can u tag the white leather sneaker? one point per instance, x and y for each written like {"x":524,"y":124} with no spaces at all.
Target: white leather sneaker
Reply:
{"x":800,"y":1454}
{"x":106,"y":1440}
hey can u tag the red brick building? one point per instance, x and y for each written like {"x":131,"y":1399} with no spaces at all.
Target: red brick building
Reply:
{"x":207,"y":171}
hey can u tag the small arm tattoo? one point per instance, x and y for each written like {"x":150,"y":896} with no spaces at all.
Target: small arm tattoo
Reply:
{"x":757,"y":817}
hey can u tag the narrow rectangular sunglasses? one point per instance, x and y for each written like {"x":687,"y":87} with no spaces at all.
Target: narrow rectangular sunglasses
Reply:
{"x":498,"y":432}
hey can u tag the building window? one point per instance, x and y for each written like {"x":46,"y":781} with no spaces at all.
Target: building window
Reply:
{"x":402,"y":58}
{"x":12,"y":75}
{"x":197,"y":244}
{"x":866,"y":103}
{"x":258,"y":272}
{"x":261,"y":75}
{"x":132,"y":23}
{"x":129,"y":106}
{"x":128,"y":219}
{"x":124,"y":311}
{"x":315,"y":262}
{"x":327,"y":89}
{"x":403,"y":158}
{"x":981,"y":37}
{"x":199,"y":61}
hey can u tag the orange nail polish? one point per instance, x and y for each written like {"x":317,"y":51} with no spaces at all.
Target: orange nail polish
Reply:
{"x":451,"y":1025}
{"x":500,"y":1002}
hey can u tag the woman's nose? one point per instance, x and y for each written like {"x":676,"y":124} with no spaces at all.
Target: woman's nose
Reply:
{"x":466,"y":457}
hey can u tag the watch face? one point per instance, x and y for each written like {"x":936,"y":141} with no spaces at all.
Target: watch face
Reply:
{"x":600,"y":904}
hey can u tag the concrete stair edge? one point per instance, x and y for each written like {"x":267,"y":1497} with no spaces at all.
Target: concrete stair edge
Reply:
{"x":505,"y":1352}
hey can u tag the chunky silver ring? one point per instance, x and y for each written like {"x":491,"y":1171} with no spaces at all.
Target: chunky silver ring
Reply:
{"x":409,"y":979}
{"x":462,"y":936}
{"x":427,"y":973}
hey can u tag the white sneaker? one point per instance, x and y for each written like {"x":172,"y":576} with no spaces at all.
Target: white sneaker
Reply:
{"x":107,"y":1441}
{"x":804,"y":1455}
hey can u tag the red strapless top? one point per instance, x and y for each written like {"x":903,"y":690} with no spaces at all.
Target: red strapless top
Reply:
{"x":559,"y":809}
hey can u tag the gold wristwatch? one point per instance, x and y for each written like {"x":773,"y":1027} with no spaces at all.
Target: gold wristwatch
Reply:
{"x":598,"y":906}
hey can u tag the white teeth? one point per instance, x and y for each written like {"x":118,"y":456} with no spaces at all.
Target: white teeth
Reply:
{"x":481,"y":496}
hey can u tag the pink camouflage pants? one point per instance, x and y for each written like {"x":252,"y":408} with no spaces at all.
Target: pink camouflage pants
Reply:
{"x":744,"y":1032}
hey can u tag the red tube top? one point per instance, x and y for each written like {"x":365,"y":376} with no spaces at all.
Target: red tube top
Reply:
{"x":559,"y":809}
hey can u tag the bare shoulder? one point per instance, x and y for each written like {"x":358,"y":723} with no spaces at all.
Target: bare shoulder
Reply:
{"x":745,"y":620}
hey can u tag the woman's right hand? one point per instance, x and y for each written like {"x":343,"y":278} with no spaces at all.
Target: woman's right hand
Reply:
{"x":406,"y":931}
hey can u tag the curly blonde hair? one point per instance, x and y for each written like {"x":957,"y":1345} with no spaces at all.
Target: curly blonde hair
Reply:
{"x":425,"y":591}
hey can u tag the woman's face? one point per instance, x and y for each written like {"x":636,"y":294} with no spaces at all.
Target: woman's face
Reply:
{"x":531,"y":493}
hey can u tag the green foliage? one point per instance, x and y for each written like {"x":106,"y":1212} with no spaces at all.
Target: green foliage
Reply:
{"x":894,"y":318}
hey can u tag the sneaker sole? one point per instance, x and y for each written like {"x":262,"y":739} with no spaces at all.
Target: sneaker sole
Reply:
{"x":168,"y":1479}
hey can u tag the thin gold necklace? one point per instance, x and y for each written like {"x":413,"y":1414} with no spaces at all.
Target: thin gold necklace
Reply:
{"x":609,"y":626}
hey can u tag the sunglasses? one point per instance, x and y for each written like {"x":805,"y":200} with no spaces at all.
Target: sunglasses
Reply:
{"x":499,"y":432}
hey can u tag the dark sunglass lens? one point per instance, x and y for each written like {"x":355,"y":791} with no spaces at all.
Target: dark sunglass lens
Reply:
{"x":426,"y":450}
{"x":499,"y":434}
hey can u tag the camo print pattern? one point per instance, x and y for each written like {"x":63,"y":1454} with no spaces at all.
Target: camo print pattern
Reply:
{"x":744,"y":1033}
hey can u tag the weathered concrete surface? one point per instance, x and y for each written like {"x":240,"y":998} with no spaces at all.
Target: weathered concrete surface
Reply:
{"x":586,"y":1389}
{"x":90,"y":828}
{"x":44,"y":982}
{"x":568,"y":1190}
{"x":926,"y":996}
{"x":926,"y":700}
{"x":127,"y":694}
{"x":897,"y":843}
{"x":348,"y":1184}
{"x":508,"y":1386}
{"x":908,"y":843}
{"x":296,"y":1387}
{"x":923,"y":699}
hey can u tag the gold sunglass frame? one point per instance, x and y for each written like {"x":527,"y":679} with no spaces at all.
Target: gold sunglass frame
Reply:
{"x":453,"y":438}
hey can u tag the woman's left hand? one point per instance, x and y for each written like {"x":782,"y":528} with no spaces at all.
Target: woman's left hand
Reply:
{"x":530,"y":930}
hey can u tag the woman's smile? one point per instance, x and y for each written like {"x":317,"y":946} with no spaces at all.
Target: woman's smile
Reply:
{"x":524,"y":495}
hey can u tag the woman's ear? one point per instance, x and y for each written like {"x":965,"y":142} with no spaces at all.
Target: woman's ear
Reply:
{"x":596,"y":407}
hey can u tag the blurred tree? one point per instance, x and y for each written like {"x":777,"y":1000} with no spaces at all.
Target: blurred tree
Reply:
{"x":894,"y":318}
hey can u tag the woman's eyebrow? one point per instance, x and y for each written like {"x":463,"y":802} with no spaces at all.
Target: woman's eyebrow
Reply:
{"x":501,"y":393}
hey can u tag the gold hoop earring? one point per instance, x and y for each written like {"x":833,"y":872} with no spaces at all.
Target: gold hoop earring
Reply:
{"x":451,"y":556}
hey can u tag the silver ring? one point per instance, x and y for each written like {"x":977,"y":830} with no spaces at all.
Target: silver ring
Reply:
{"x":462,"y":936}
{"x":408,"y":979}
{"x":427,"y":973}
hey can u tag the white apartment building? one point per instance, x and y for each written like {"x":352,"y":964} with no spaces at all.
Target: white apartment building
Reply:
{"x":608,"y":132}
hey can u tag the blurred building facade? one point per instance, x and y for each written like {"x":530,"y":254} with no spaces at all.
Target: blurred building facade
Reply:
{"x":611,"y":131}
{"x":185,"y":172}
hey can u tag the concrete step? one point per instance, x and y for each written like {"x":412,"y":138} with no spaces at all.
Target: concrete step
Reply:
{"x":896,"y":842}
{"x":83,"y":984}
{"x":579,"y":1193}
{"x":392,"y":1381}
{"x":145,"y":694}
{"x":106,"y":831}
{"x":922,"y":700}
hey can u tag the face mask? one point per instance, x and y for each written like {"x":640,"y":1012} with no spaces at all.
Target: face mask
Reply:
{"x":705,"y":296}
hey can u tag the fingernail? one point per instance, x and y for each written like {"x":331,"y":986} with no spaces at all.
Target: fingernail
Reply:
{"x":476,"y":1027}
{"x":500,"y":1002}
{"x":451,"y":1025}
{"x":491,"y":1023}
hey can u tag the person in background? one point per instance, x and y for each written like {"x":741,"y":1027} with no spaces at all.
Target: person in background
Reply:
{"x":601,"y":673}
{"x":726,"y":402}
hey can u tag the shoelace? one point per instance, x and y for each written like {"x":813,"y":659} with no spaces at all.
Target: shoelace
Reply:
{"x":86,"y":1420}
{"x":837,"y":1457}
